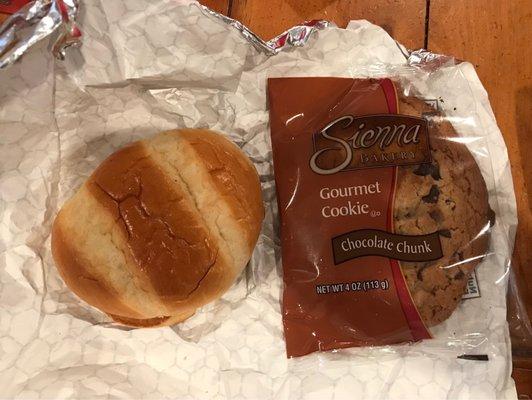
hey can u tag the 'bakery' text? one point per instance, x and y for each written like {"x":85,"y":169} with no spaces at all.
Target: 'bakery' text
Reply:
{"x":351,"y":142}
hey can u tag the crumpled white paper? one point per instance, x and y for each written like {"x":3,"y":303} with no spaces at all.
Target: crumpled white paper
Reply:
{"x":147,"y":66}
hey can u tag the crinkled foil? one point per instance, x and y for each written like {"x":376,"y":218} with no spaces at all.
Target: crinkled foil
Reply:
{"x":34,"y":22}
{"x":430,"y":61}
{"x":296,"y":36}
{"x":41,"y":18}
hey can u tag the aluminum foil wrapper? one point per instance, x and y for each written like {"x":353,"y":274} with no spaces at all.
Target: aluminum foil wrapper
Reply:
{"x":41,"y":18}
{"x":36,"y":21}
{"x":147,"y":66}
{"x":295,"y":36}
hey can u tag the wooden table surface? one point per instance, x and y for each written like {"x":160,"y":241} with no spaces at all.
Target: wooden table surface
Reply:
{"x":491,"y":34}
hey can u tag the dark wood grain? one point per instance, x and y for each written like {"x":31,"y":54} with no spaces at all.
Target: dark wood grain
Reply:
{"x":404,"y":19}
{"x":221,"y":6}
{"x":523,"y":382}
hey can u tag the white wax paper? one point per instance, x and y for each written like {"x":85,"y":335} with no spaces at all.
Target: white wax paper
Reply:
{"x":146,"y":66}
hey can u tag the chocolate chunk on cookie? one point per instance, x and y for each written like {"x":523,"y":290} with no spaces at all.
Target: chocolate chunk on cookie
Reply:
{"x":448,"y":196}
{"x":428,"y":169}
{"x":432,"y":196}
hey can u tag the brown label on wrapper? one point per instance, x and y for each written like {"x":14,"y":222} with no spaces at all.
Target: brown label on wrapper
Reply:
{"x":337,"y":143}
{"x":372,"y":242}
{"x":350,"y":142}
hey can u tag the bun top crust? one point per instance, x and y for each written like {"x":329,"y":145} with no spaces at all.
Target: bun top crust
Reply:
{"x":161,"y":227}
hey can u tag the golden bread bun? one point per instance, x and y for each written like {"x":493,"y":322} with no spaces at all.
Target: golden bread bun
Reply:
{"x":162,"y":227}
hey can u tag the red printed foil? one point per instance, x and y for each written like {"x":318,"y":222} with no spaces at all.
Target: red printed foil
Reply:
{"x":12,"y":6}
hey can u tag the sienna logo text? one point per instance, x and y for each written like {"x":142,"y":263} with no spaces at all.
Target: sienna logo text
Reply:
{"x":370,"y":141}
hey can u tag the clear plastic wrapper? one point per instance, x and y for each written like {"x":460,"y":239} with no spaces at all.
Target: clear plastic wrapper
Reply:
{"x":384,"y":211}
{"x":132,"y":79}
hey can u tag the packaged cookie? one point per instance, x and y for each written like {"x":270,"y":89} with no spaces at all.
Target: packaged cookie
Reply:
{"x":379,"y":264}
{"x":384,"y":212}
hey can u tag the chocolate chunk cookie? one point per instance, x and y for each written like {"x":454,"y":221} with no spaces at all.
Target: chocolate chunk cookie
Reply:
{"x":448,"y":195}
